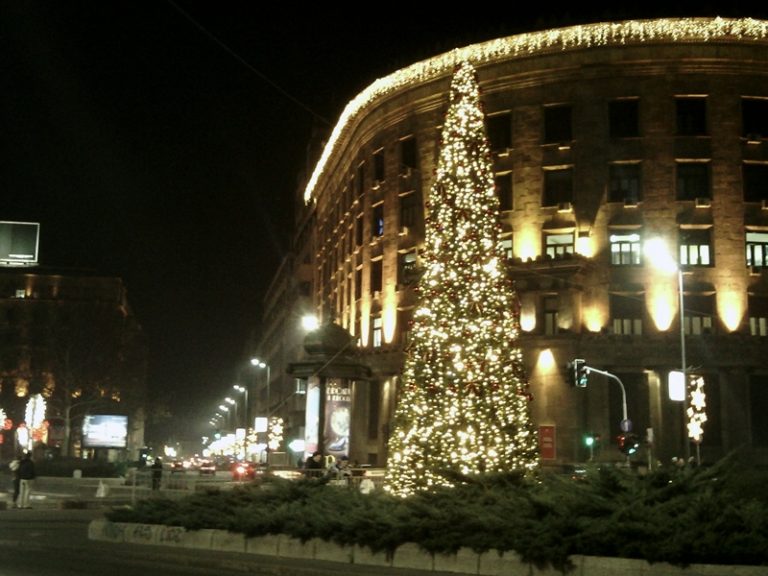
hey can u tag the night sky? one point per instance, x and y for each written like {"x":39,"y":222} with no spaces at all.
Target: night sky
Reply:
{"x":162,"y":142}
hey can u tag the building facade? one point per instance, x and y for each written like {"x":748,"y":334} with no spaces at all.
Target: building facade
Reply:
{"x":70,"y":342}
{"x":604,"y":137}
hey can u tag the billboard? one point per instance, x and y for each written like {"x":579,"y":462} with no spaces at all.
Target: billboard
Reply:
{"x":19,"y":242}
{"x":105,"y":431}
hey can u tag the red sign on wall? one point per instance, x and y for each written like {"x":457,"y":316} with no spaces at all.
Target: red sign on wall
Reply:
{"x":547,"y":442}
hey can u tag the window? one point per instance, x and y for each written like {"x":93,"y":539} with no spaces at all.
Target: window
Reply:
{"x":693,"y":180}
{"x":557,"y":245}
{"x":358,"y":286}
{"x":376,"y":275}
{"x":624,"y":118}
{"x":758,"y":315}
{"x":758,"y":404}
{"x":359,"y":230}
{"x":558,"y":186}
{"x":507,"y":247}
{"x":406,"y":273}
{"x":409,"y":210}
{"x":405,"y":323}
{"x":499,"y":128}
{"x":409,"y":155}
{"x":755,"y":184}
{"x":360,"y":180}
{"x":550,"y":305}
{"x":625,"y":184}
{"x":504,"y":190}
{"x":626,"y":248}
{"x":757,"y":249}
{"x":691,"y":114}
{"x":696,"y":247}
{"x":377,"y":221}
{"x":699,"y":312}
{"x":376,"y":324}
{"x":378,"y":167}
{"x":754,"y":118}
{"x":557,"y":124}
{"x":627,"y":314}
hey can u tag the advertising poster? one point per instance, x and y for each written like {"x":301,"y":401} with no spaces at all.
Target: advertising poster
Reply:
{"x":338,"y":405}
{"x":312,"y":420}
{"x":547,"y":442}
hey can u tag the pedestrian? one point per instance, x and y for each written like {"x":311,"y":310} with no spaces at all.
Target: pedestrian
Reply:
{"x":315,"y":466}
{"x":14,"y":467}
{"x":157,"y":473}
{"x":340,"y":470}
{"x":26,"y":476}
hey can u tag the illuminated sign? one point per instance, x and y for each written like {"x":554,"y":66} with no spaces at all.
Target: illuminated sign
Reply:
{"x":105,"y":431}
{"x":19,"y":243}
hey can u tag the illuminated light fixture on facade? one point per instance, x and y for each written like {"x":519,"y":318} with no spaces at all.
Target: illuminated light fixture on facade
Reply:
{"x":676,"y":386}
{"x":584,"y":245}
{"x":731,"y":306}
{"x":546,"y":362}
{"x":525,"y":45}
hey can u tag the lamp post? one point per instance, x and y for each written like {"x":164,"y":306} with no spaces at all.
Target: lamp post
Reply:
{"x":244,"y":391}
{"x":268,"y":412}
{"x":661,"y":258}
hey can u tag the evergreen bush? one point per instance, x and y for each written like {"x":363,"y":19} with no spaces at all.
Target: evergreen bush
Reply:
{"x":716,"y":515}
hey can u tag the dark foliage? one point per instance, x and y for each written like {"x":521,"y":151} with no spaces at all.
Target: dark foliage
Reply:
{"x":716,"y":515}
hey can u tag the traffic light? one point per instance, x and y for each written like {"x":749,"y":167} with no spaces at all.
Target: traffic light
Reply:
{"x":579,"y":372}
{"x":629,"y":443}
{"x":592,"y":440}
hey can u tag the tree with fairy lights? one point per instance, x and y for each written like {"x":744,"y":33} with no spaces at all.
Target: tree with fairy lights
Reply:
{"x":463,"y":408}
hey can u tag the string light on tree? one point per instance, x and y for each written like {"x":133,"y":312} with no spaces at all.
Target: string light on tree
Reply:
{"x":464,"y":401}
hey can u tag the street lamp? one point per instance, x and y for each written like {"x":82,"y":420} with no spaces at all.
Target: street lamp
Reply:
{"x":261,"y":364}
{"x":661,"y":258}
{"x":244,"y":391}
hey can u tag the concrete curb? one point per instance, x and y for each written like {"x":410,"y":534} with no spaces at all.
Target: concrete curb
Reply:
{"x":408,"y":556}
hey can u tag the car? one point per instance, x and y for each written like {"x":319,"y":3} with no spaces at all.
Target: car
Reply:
{"x":244,"y":471}
{"x":206,"y":467}
{"x":177,"y":466}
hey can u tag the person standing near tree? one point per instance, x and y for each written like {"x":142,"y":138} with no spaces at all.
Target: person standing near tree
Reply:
{"x":26,"y":474}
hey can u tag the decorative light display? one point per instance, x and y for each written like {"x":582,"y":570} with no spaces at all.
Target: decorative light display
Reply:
{"x":697,"y":409}
{"x":683,"y":30}
{"x":275,"y":435}
{"x":464,"y":401}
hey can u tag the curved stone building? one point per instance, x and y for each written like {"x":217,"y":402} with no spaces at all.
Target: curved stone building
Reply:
{"x":604,"y":137}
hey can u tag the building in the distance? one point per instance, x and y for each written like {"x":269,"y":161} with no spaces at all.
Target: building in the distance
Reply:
{"x":604,"y":137}
{"x":73,"y":364}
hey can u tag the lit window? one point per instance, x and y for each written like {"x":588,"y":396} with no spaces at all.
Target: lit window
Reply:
{"x":376,"y":322}
{"x":407,"y":268}
{"x":757,"y":249}
{"x":627,"y":314}
{"x":377,"y":222}
{"x":507,"y":247}
{"x":626,"y":249}
{"x":21,"y":293}
{"x":557,"y":245}
{"x":695,"y":247}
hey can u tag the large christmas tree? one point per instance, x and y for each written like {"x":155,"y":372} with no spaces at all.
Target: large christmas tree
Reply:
{"x":463,"y":407}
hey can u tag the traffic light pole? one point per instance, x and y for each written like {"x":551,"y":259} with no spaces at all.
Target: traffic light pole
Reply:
{"x":589,"y":370}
